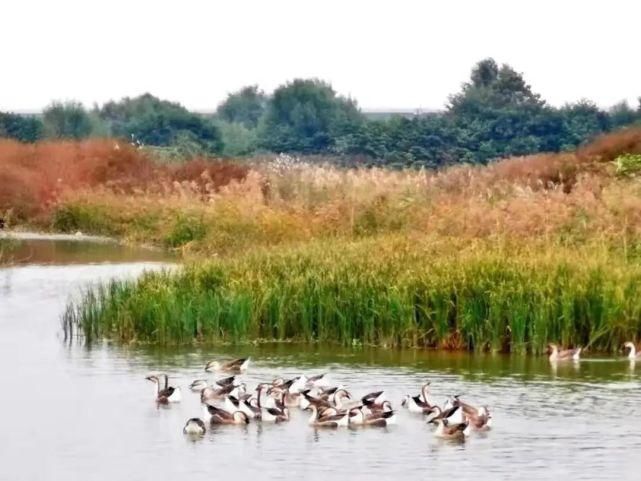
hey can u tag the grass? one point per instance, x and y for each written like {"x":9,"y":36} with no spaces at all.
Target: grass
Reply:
{"x":504,"y":257}
{"x":390,"y":291}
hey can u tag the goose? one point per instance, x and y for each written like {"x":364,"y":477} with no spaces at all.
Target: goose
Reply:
{"x":236,"y":366}
{"x":168,"y":394}
{"x":453,"y":415}
{"x":564,"y":354}
{"x":379,"y":419}
{"x":445,"y":430}
{"x":317,"y":381}
{"x":275,"y":413}
{"x":373,"y":407}
{"x":220,"y":416}
{"x":480,"y":418}
{"x":198,"y":385}
{"x":212,"y":393}
{"x":226,"y":381}
{"x":633,"y":355}
{"x":194,"y":426}
{"x":325,"y":420}
{"x":420,"y":404}
{"x":343,"y":400}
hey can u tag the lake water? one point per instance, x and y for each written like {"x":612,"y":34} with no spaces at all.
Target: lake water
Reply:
{"x":74,"y":413}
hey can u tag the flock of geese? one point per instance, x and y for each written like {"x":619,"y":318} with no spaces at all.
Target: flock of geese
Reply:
{"x":228,"y":401}
{"x":557,"y":354}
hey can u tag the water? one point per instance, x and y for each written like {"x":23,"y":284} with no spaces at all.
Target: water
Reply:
{"x":70,"y":413}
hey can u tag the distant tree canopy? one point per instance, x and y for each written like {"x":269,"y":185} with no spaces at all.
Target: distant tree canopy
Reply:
{"x":25,"y":128}
{"x":494,"y":114}
{"x":152,"y":121}
{"x":307,"y":116}
{"x":68,"y":120}
{"x":244,"y":107}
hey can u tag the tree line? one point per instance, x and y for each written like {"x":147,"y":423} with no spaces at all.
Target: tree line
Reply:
{"x":494,"y":114}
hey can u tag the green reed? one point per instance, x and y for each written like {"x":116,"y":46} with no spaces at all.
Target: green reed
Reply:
{"x":388,"y":291}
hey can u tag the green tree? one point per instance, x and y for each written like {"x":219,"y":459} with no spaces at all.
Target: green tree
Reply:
{"x":68,"y":120}
{"x":245,"y":107}
{"x":25,"y":128}
{"x":152,"y":121}
{"x":307,"y":116}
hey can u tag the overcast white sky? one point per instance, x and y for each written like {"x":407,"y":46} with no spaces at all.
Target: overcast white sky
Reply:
{"x":385,"y":54}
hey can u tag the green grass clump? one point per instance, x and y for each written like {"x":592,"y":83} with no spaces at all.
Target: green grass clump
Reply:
{"x":389,"y":291}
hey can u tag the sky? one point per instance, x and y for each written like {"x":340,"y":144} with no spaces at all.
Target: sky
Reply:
{"x":397,"y":54}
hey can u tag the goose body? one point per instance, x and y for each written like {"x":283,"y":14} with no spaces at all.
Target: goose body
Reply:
{"x":198,"y":385}
{"x":479,"y":419}
{"x":167,"y":394}
{"x":446,"y":430}
{"x":633,"y":355}
{"x":378,"y":419}
{"x":420,"y":404}
{"x":326,"y":420}
{"x":212,"y":393}
{"x":216,"y":415}
{"x":194,"y":426}
{"x":564,"y":354}
{"x":236,"y":366}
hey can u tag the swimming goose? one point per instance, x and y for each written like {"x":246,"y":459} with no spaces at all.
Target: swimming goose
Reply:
{"x":212,"y":393}
{"x":236,"y":366}
{"x":216,"y":415}
{"x":445,"y":430}
{"x":480,"y":418}
{"x":420,"y":404}
{"x":453,"y":415}
{"x":380,"y":419}
{"x":633,"y":355}
{"x":343,"y":400}
{"x":168,"y":394}
{"x":326,"y":421}
{"x":317,"y":381}
{"x":564,"y":354}
{"x":194,"y":426}
{"x":198,"y":385}
{"x":383,"y":407}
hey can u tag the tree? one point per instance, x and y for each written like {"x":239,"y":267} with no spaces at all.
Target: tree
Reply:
{"x":244,"y":107}
{"x":152,"y":121}
{"x":583,"y":120}
{"x":67,"y":120}
{"x":25,"y":128}
{"x":307,"y":116}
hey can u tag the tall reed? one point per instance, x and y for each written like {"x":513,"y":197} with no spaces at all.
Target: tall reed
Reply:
{"x":390,"y":291}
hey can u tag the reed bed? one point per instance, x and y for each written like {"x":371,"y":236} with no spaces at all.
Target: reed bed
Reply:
{"x":391,"y":291}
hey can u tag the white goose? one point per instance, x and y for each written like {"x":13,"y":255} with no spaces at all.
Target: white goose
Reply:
{"x":633,"y":355}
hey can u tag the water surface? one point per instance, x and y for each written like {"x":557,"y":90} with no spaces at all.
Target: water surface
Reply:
{"x":70,"y":412}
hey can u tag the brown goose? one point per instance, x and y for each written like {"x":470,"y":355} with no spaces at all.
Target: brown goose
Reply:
{"x":168,"y":394}
{"x":480,"y":418}
{"x":379,"y":418}
{"x":220,"y":416}
{"x":236,"y":366}
{"x":564,"y":354}
{"x":446,"y":430}
{"x":326,"y":420}
{"x":212,"y":393}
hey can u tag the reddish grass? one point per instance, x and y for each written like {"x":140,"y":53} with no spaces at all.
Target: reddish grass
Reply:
{"x":33,"y":176}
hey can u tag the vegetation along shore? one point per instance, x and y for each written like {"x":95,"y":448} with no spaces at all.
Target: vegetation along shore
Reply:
{"x":502,"y":255}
